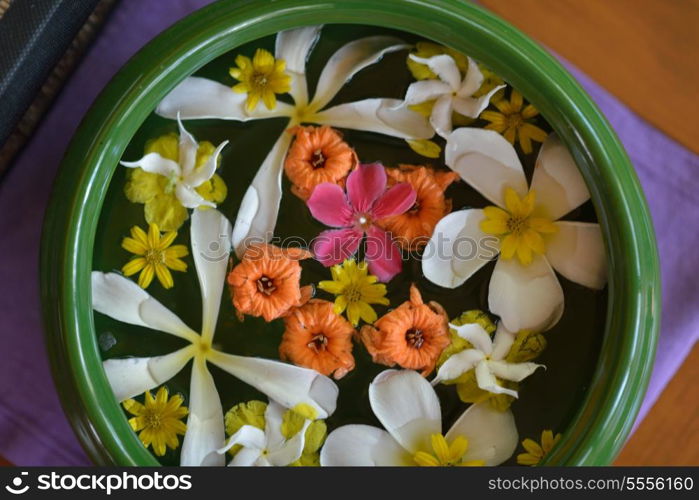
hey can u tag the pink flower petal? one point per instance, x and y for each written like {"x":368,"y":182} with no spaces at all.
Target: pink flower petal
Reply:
{"x":334,"y":246}
{"x":329,"y":205}
{"x":395,"y":201}
{"x":365,"y":185}
{"x":383,"y":255}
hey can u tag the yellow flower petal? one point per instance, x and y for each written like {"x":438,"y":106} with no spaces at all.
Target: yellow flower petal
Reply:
{"x":527,"y":459}
{"x":175,"y":264}
{"x":424,"y":459}
{"x":458,"y":448}
{"x":164,"y":276}
{"x":366,"y":312}
{"x":139,"y":235}
{"x":440,"y":447}
{"x":167,"y":240}
{"x":133,"y":246}
{"x":497,"y":213}
{"x":529,"y":111}
{"x":533,"y":447}
{"x":425,"y":147}
{"x":496,"y":227}
{"x":509,"y":245}
{"x":515,"y":101}
{"x":133,"y":266}
{"x":146,"y":276}
{"x":534,"y":241}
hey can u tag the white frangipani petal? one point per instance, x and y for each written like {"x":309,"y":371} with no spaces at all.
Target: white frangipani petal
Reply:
{"x":130,"y":377}
{"x":425,"y":90}
{"x":294,"y":47}
{"x":407,"y":407}
{"x":274,"y":416}
{"x":188,"y":147}
{"x":444,"y":67}
{"x":247,"y":457}
{"x":458,"y":364}
{"x":153,"y":163}
{"x":487,"y":381}
{"x":458,"y":248}
{"x":256,"y":221}
{"x":440,"y":118}
{"x":576,"y":251}
{"x":248,"y":436}
{"x":525,"y":297}
{"x":492,"y":434}
{"x":515,"y":372}
{"x":205,"y":428}
{"x":207,"y":170}
{"x":502,"y":342}
{"x":125,"y":301}
{"x":349,"y":60}
{"x":210,"y":236}
{"x":362,"y":446}
{"x":557,"y":181}
{"x":198,"y":98}
{"x":288,"y":385}
{"x":383,"y":116}
{"x":484,"y":159}
{"x":189,"y":198}
{"x":473,"y":80}
{"x":476,"y":335}
{"x":290,"y":450}
{"x":474,"y":106}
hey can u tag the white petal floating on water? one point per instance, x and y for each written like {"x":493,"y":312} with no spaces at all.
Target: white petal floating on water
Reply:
{"x":457,"y":249}
{"x":197,"y":98}
{"x":473,"y":106}
{"x":502,"y":342}
{"x":557,"y":181}
{"x":153,"y":163}
{"x":125,"y":301}
{"x":188,"y":147}
{"x":458,"y":364}
{"x":349,"y":60}
{"x":210,"y":237}
{"x":525,"y":297}
{"x":247,"y":457}
{"x":286,"y":384}
{"x":407,"y":406}
{"x":189,"y":198}
{"x":294,"y":47}
{"x":205,"y":429}
{"x":362,"y":446}
{"x":515,"y":372}
{"x":487,"y":381}
{"x":473,"y":80}
{"x":130,"y":377}
{"x":441,"y":115}
{"x":476,"y":335}
{"x":492,"y":434}
{"x":247,"y":436}
{"x":485,"y":159}
{"x":576,"y":251}
{"x":207,"y":170}
{"x":383,"y":116}
{"x":425,"y":90}
{"x":259,"y":209}
{"x":444,"y":67}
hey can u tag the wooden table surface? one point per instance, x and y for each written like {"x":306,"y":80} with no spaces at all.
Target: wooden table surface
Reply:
{"x":644,"y":52}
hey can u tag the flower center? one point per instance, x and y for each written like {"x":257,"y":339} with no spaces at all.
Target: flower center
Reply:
{"x":319,"y":342}
{"x":352,"y":294}
{"x":266,"y":285}
{"x":517,"y":225}
{"x":153,"y":256}
{"x":364,"y":221}
{"x":260,"y":80}
{"x":317,"y":159}
{"x":415,"y":338}
{"x":153,"y":419}
{"x":415,"y":208}
{"x":514,"y":120}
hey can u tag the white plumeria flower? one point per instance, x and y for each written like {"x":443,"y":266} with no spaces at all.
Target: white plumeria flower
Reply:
{"x":294,"y":387}
{"x":267,"y":447}
{"x":197,"y":98}
{"x":487,"y":358}
{"x":531,"y":240}
{"x":408,"y":408}
{"x":182,"y":174}
{"x":449,"y":92}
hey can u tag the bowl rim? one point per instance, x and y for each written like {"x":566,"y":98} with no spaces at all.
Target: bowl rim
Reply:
{"x":601,"y":424}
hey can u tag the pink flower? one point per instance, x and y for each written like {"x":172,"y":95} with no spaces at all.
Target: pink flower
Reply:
{"x":355,"y":214}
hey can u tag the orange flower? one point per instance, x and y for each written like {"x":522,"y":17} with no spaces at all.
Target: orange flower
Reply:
{"x":266,"y":282}
{"x":317,"y":338}
{"x":317,"y":155}
{"x":413,"y":228}
{"x":411,"y":336}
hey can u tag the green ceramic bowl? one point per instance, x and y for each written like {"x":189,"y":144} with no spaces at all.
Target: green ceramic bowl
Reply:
{"x":594,"y":435}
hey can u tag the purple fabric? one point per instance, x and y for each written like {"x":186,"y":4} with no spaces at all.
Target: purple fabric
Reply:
{"x":33,"y":429}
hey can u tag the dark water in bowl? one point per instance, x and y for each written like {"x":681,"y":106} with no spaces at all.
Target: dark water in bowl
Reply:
{"x":548,"y":399}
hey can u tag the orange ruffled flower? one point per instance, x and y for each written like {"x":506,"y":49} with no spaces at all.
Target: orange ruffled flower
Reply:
{"x":266,"y":282}
{"x":317,"y":155}
{"x":317,"y":338}
{"x":411,"y":336}
{"x":413,"y":228}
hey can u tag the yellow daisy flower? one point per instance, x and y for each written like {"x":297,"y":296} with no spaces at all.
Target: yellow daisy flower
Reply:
{"x":261,"y":78}
{"x":356,"y":289}
{"x":157,"y":193}
{"x":536,"y":452}
{"x":444,"y":454}
{"x":513,"y":122}
{"x":154,"y":256}
{"x":522,"y":232}
{"x":158,"y":420}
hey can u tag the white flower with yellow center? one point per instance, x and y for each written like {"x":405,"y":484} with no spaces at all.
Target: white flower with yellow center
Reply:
{"x":198,"y":98}
{"x":487,"y":358}
{"x":408,"y":408}
{"x":449,"y":92}
{"x":304,"y":390}
{"x":523,"y":228}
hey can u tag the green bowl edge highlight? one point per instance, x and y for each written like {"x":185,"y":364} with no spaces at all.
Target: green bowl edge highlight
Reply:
{"x":604,"y":420}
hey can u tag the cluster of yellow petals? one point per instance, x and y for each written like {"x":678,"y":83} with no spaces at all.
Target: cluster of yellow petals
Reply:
{"x":444,"y":454}
{"x":261,"y":78}
{"x":154,"y":256}
{"x":536,"y":452}
{"x":514,"y":122}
